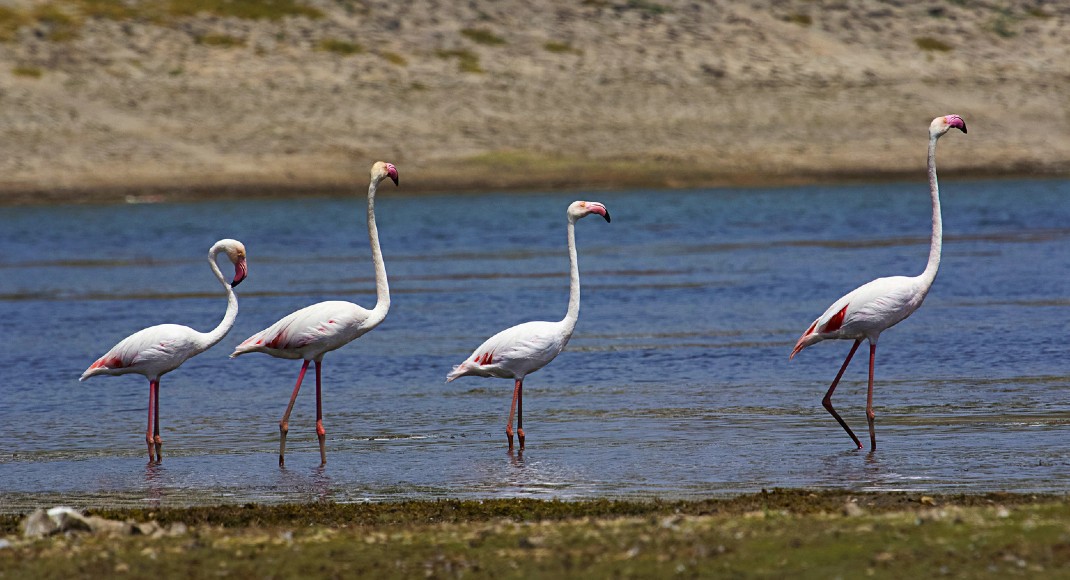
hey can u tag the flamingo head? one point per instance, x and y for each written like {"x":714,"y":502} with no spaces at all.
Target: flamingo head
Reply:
{"x":235,"y":251}
{"x":941,"y":125}
{"x":382,"y":170}
{"x":580,"y":209}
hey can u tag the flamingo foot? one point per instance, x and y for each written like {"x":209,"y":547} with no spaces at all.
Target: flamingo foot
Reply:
{"x":321,"y":433}
{"x":284,"y":427}
{"x":509,"y":434}
{"x":158,"y":443}
{"x":151,"y":445}
{"x":520,"y":435}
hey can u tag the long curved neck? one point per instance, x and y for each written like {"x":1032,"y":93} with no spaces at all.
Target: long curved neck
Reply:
{"x":382,"y":287}
{"x":220,"y":331}
{"x":573,"y":313}
{"x":938,"y":228}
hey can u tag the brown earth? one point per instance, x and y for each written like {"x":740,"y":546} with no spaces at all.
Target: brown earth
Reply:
{"x":102,"y":104}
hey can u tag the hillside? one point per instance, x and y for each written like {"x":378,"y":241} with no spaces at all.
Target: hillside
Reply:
{"x":191,"y":98}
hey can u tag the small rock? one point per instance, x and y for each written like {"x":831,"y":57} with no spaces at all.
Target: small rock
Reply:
{"x":852,"y":509}
{"x":38,"y":525}
{"x":69,"y":519}
{"x":101,"y":525}
{"x":147,"y":528}
{"x":926,"y":500}
{"x":5,"y":543}
{"x":178,"y":529}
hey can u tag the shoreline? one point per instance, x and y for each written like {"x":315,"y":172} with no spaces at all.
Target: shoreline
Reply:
{"x":582,"y":177}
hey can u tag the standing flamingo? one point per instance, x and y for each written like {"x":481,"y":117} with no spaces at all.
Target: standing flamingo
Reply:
{"x":160,"y":349}
{"x":316,"y":330}
{"x":878,"y":305}
{"x":525,"y":348}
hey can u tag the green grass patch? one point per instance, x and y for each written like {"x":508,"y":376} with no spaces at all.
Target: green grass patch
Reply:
{"x":648,"y":7}
{"x":780,"y":534}
{"x":60,"y":24}
{"x":800,"y":19}
{"x":467,"y":61}
{"x":1003,"y":25}
{"x":393,"y":58}
{"x":482,"y":36}
{"x":28,"y":72}
{"x":220,"y":40}
{"x":559,"y":47}
{"x":341,"y":47}
{"x":246,"y":9}
{"x":10,"y":22}
{"x":931,"y":44}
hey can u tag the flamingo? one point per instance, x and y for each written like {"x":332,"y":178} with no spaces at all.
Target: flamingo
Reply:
{"x":525,"y":348}
{"x":320,"y":328}
{"x":160,"y":349}
{"x":870,"y":309}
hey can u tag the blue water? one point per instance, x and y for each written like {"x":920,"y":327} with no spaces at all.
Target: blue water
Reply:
{"x":676,"y":383}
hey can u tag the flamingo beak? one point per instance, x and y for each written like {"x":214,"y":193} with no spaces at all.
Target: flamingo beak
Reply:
{"x":599,"y":209}
{"x":392,"y":173}
{"x":956,"y":122}
{"x":240,"y":272}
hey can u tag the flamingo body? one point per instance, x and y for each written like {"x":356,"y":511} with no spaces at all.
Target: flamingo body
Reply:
{"x":515,"y":352}
{"x":152,"y":352}
{"x":867,"y":311}
{"x":312,"y":332}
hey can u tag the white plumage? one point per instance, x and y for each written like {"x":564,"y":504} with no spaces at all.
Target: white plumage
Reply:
{"x":525,"y":348}
{"x":160,"y":349}
{"x":870,"y":309}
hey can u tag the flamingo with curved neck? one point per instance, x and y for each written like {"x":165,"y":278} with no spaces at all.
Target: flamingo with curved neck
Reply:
{"x":320,"y":328}
{"x":525,"y":348}
{"x":160,"y":349}
{"x":874,"y":307}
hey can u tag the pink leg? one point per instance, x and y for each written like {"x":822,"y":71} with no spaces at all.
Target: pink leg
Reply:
{"x":148,"y":430}
{"x":156,"y":426}
{"x":512,"y":408}
{"x":284,"y":424}
{"x":320,"y":431}
{"x":869,"y":400}
{"x":827,"y":401}
{"x":520,"y":415}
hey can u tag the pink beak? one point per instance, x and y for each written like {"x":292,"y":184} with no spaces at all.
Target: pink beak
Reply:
{"x":599,"y":209}
{"x":392,"y":173}
{"x":240,"y":272}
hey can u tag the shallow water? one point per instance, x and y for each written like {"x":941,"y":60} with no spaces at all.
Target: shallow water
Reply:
{"x":676,"y":383}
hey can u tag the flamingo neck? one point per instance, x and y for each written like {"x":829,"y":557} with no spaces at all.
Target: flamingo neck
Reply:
{"x":573,"y":313}
{"x":211,"y":338}
{"x":938,"y":229}
{"x":382,"y":287}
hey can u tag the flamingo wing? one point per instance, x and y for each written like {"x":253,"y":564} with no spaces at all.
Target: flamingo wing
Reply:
{"x":154,"y":350}
{"x":321,"y":327}
{"x":866,"y":311}
{"x":514,"y":352}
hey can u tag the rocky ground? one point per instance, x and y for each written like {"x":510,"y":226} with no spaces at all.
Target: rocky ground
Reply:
{"x":107,"y":100}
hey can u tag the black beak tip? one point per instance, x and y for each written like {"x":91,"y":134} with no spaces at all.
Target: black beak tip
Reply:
{"x":236,"y":282}
{"x":963,"y":127}
{"x":395,"y":180}
{"x":607,"y":217}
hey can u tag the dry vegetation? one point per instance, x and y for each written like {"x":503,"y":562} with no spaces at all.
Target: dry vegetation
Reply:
{"x":102,"y":98}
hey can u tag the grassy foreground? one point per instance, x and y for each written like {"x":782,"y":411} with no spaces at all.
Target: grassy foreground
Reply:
{"x":794,"y":533}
